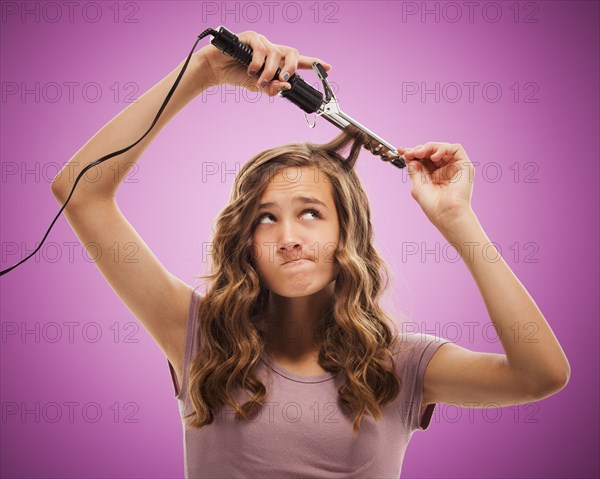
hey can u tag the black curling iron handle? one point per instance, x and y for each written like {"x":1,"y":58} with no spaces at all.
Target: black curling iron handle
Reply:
{"x":301,"y":94}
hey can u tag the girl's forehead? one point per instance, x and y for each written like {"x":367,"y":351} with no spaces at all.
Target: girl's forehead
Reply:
{"x":293,"y":176}
{"x":306,"y":185}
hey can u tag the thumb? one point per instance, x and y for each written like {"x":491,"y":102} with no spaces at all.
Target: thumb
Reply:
{"x":416,"y":172}
{"x":417,"y":175}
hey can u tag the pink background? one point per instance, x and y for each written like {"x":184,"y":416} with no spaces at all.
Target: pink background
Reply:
{"x":536,"y":195}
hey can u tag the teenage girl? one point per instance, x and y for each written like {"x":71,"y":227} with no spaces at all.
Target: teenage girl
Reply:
{"x":287,"y":366}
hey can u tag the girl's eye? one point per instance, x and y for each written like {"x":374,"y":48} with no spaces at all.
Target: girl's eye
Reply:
{"x":316,"y":213}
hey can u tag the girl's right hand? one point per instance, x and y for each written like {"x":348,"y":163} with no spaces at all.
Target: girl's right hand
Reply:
{"x":224,"y":69}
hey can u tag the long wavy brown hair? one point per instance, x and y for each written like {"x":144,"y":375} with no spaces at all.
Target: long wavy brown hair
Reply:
{"x":356,"y":334}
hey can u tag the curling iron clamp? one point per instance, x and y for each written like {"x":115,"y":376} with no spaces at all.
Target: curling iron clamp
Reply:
{"x":308,"y":98}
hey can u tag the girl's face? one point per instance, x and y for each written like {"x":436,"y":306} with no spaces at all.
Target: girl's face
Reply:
{"x":292,"y":224}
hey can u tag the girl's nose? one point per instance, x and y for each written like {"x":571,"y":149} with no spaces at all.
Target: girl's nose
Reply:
{"x":290,"y":250}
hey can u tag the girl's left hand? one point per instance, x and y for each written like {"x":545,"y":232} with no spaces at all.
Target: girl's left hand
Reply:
{"x":441,"y":177}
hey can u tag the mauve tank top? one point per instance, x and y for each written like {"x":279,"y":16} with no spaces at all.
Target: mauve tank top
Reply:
{"x":302,"y":431}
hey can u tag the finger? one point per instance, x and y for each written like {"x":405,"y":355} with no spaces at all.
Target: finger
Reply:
{"x":425,"y":151}
{"x":403,"y":151}
{"x":436,"y":151}
{"x":452,"y":149}
{"x":441,"y":154}
{"x":419,"y":155}
{"x":259,"y":50}
{"x":418,"y":177}
{"x":450,"y":153}
{"x":275,"y":87}
{"x":411,"y":153}
{"x":274,"y":57}
{"x":458,"y":153}
{"x":305,"y":63}
{"x":291,"y":62}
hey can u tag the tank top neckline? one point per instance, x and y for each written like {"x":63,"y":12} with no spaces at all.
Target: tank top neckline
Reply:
{"x":268,"y":360}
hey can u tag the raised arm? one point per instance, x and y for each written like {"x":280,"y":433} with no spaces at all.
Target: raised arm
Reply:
{"x":534,"y":366}
{"x":156,"y":298}
{"x":159,"y":300}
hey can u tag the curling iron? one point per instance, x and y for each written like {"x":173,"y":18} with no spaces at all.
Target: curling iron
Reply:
{"x":308,"y":98}
{"x":301,"y":94}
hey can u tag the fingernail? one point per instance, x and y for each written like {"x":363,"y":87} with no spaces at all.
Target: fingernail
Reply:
{"x":263,"y":83}
{"x":284,"y":86}
{"x":251,"y":73}
{"x":286,"y":75}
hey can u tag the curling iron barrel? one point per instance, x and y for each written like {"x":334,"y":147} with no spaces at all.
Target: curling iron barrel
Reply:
{"x":308,"y":98}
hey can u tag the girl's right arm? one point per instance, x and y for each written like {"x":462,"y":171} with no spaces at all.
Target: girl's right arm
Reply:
{"x":159,"y":300}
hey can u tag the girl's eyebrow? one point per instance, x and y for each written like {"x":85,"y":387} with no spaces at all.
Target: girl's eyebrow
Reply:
{"x":297,"y":199}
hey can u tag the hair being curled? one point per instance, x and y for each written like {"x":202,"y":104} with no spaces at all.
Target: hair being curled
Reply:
{"x":355,"y":332}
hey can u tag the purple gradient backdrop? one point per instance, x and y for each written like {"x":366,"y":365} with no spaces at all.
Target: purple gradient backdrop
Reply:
{"x":545,"y":220}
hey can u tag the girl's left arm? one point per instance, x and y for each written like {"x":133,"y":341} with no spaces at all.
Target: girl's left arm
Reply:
{"x":534,"y":365}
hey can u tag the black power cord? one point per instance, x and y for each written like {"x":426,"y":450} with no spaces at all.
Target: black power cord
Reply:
{"x":301,"y":94}
{"x":208,"y":31}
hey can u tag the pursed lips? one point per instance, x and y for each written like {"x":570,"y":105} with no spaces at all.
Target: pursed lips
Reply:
{"x":293,"y":260}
